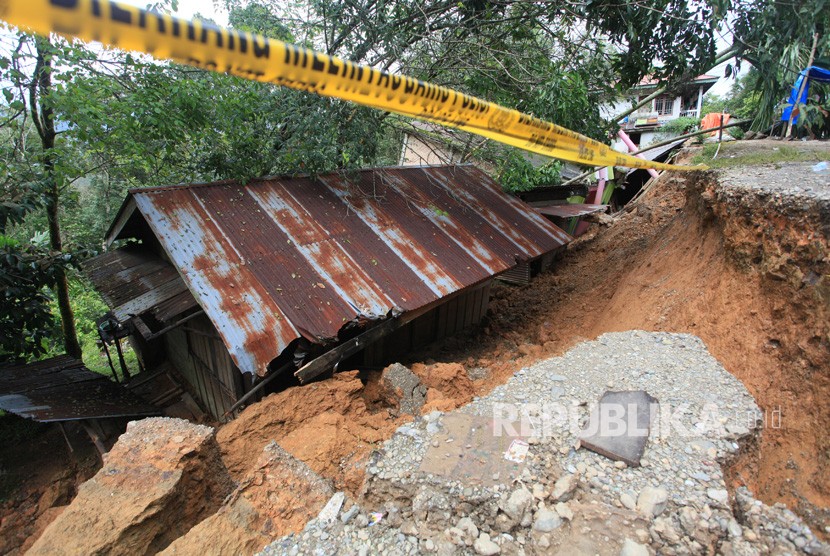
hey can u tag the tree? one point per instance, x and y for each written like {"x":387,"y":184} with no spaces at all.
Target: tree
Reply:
{"x":83,"y":126}
{"x":559,"y":61}
{"x":742,"y":99}
{"x":776,"y":38}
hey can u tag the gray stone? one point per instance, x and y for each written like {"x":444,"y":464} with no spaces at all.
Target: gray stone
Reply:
{"x":718,"y":495}
{"x":401,"y":380}
{"x":332,"y":508}
{"x":631,"y":548}
{"x":518,"y":503}
{"x":652,"y":501}
{"x":563,"y":489}
{"x":564,"y":511}
{"x":627,"y":500}
{"x":469,"y":528}
{"x":546,"y":521}
{"x":349,"y":514}
{"x":485,"y":547}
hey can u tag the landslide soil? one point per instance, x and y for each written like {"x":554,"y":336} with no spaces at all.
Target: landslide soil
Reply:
{"x":676,"y":261}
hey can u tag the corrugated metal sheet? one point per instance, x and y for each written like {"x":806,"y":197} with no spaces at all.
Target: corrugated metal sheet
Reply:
{"x":132,"y":281}
{"x":282,"y":258}
{"x":660,"y":153}
{"x":570,"y":210}
{"x":63,"y":389}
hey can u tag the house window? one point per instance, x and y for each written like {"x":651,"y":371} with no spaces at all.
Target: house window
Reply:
{"x":664,"y":105}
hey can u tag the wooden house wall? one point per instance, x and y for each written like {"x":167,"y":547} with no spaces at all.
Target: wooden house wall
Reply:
{"x":451,"y":317}
{"x":198,"y":353}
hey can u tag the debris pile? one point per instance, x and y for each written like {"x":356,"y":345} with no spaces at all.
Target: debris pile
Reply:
{"x":345,"y":418}
{"x":421,"y":497}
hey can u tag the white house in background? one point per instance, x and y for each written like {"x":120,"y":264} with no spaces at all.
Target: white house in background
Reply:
{"x":643,"y":126}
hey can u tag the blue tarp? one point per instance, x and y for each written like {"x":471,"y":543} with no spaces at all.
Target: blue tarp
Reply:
{"x":817,"y":74}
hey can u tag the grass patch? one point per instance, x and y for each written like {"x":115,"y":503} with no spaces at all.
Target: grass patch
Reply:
{"x":731,"y":156}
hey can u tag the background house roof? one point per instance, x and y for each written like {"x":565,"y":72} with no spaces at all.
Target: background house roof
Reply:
{"x":283,"y":258}
{"x":699,"y":80}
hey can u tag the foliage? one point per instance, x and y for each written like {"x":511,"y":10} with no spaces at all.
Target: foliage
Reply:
{"x":680,"y":126}
{"x":555,"y":60}
{"x":26,"y":322}
{"x":776,"y":38}
{"x":676,"y":34}
{"x":742,"y":100}
{"x":516,"y":173}
{"x":123,"y":121}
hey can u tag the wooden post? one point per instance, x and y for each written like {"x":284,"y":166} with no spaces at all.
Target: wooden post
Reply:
{"x":95,"y":437}
{"x":121,"y":359}
{"x":720,"y":132}
{"x":257,"y":387}
{"x":109,"y":358}
{"x":66,"y":437}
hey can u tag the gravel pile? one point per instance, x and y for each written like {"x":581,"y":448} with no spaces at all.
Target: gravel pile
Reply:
{"x":562,"y":497}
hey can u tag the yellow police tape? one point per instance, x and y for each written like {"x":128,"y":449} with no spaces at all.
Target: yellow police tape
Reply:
{"x":255,"y":57}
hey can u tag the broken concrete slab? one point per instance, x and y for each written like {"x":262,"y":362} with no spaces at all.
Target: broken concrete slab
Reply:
{"x":469,"y":449}
{"x":619,"y":425}
{"x":402,"y":385}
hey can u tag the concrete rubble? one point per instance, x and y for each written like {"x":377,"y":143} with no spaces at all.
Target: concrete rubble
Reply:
{"x":563,"y":499}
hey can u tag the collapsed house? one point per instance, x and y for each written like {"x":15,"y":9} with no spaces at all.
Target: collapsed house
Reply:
{"x":229,"y":282}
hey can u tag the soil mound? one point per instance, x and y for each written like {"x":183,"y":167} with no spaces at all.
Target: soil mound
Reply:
{"x":277,"y":498}
{"x":329,"y":425}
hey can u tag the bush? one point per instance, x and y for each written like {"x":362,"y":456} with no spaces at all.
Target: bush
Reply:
{"x":680,"y":126}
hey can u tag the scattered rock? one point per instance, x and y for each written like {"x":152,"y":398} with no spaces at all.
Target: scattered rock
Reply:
{"x":564,"y":511}
{"x":332,"y":508}
{"x":518,"y":503}
{"x":627,"y":500}
{"x":718,"y":495}
{"x":546,"y":521}
{"x":631,"y":548}
{"x":652,"y":501}
{"x":564,"y":488}
{"x":485,"y":547}
{"x":469,"y":529}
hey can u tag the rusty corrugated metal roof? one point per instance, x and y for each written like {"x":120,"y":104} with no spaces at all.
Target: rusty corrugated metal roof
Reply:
{"x":133,"y":281}
{"x":63,"y":389}
{"x":282,"y":258}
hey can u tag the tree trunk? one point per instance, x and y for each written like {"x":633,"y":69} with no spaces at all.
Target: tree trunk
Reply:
{"x":43,"y":117}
